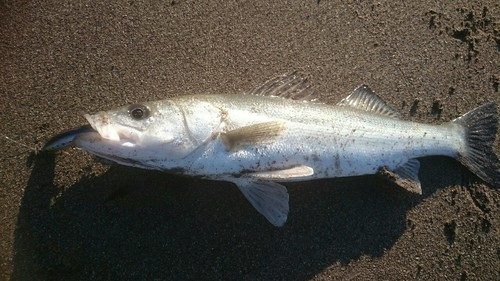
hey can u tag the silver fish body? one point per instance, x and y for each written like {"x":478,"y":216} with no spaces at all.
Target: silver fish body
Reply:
{"x":278,"y":133}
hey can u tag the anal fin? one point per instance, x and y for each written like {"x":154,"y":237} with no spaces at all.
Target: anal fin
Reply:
{"x":268,"y":198}
{"x":405,"y":176}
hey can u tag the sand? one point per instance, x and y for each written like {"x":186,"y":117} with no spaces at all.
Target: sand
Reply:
{"x":66,"y":217}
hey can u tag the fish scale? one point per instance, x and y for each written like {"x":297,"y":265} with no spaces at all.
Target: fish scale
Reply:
{"x":362,"y":144}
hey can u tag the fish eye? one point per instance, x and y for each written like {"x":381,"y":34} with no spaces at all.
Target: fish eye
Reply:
{"x":138,"y":111}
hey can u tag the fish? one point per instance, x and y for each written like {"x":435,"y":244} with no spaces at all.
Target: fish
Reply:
{"x":283,"y":131}
{"x":65,"y":139}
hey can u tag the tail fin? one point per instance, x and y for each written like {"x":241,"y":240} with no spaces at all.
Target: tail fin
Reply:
{"x":481,"y":126}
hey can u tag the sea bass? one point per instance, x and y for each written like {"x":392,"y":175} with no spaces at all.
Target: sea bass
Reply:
{"x":280,"y":132}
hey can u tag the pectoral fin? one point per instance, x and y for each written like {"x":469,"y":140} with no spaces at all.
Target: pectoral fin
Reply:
{"x":405,"y":176}
{"x":260,"y":133}
{"x":268,"y":198}
{"x":292,"y":173}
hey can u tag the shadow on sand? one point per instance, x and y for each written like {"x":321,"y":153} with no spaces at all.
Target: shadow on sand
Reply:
{"x":131,"y":224}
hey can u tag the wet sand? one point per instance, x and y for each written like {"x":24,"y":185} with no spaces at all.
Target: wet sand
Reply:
{"x":66,"y":217}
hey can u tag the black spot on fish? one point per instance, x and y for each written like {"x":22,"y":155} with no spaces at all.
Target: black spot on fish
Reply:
{"x":337,"y":163}
{"x":315,"y":157}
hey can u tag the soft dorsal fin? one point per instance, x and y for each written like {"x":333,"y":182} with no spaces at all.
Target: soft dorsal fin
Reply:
{"x":291,"y":86}
{"x":365,"y":99}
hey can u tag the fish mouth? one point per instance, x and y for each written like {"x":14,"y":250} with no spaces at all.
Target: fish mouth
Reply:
{"x":111,"y":131}
{"x":115,"y":142}
{"x":111,"y":150}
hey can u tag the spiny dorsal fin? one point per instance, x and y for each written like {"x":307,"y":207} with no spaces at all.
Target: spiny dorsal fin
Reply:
{"x":365,"y":99}
{"x":253,"y":134}
{"x":291,"y":86}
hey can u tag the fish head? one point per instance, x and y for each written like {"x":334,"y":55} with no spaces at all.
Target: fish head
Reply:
{"x":137,"y":134}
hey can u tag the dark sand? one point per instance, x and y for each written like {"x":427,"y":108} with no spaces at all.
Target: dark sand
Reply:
{"x":64,"y":217}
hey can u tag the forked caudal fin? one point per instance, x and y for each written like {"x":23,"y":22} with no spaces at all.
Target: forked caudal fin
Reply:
{"x":481,"y":126}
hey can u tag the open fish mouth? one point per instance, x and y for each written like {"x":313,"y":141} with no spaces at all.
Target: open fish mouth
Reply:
{"x":116,"y":141}
{"x":118,"y":151}
{"x":111,"y":131}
